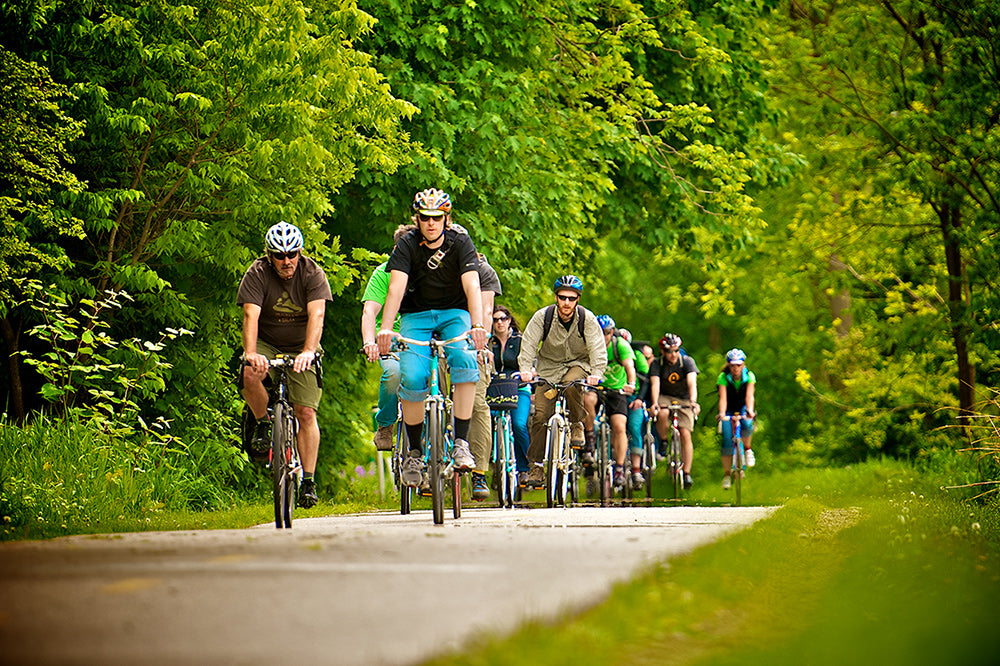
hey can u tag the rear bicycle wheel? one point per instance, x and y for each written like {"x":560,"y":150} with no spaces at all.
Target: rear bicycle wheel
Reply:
{"x":435,"y":468}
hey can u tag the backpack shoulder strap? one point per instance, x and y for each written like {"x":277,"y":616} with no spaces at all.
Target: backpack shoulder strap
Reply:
{"x":547,"y":322}
{"x":550,"y":312}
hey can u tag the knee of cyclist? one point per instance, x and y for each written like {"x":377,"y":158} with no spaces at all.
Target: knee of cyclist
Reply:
{"x":305,"y":414}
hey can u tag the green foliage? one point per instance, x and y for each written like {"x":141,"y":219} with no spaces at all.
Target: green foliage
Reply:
{"x":69,"y":475}
{"x":84,"y":366}
{"x":34,"y":132}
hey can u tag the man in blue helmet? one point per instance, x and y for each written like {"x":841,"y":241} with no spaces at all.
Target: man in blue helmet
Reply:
{"x":561,"y":343}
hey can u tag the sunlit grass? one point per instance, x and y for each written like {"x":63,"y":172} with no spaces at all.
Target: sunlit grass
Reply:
{"x":872,"y":564}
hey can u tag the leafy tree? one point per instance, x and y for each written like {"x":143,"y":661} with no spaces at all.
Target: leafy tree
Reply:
{"x":34,"y":132}
{"x":206,"y":123}
{"x":912,"y":86}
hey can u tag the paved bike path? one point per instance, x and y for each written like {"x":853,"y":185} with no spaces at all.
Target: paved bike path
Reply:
{"x":360,"y":589}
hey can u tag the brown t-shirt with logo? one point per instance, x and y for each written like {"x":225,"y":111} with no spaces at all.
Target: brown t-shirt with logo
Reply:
{"x":283,"y":314}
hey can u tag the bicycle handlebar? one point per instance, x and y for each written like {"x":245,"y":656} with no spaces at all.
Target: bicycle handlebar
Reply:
{"x":403,"y":341}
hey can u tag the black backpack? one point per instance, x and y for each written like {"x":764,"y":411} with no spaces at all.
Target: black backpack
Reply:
{"x":550,"y":313}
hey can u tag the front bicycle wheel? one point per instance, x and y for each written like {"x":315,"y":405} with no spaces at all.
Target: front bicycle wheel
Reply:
{"x":738,"y":467}
{"x":398,"y":456}
{"x":676,"y":463}
{"x":499,"y":461}
{"x":551,"y":468}
{"x":435,"y":468}
{"x":649,"y":464}
{"x":603,"y":470}
{"x":282,"y":429}
{"x":511,"y":469}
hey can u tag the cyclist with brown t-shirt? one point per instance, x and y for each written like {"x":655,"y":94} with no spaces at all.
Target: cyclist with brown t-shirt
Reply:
{"x":284,"y":295}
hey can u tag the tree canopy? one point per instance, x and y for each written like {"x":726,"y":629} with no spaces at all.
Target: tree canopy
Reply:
{"x":814,"y":182}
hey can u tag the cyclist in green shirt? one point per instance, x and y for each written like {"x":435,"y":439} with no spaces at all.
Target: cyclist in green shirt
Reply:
{"x":619,"y":384}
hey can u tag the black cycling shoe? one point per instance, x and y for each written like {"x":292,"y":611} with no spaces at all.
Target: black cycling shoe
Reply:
{"x":307,"y":494}
{"x":260,"y":443}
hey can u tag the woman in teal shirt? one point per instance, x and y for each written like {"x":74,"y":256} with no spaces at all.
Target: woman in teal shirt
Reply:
{"x":736,"y":399}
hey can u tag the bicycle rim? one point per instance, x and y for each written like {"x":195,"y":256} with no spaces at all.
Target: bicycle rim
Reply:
{"x":434,"y":469}
{"x":649,"y":460}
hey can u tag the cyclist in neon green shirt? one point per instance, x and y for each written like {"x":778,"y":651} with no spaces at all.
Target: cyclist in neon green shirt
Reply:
{"x":618,"y":383}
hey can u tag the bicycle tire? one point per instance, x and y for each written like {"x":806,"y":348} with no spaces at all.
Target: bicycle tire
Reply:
{"x":512,"y":488}
{"x":649,"y":463}
{"x":603,"y":471}
{"x":401,"y":450}
{"x":676,"y":463}
{"x":565,"y":475}
{"x":499,"y":460}
{"x":280,"y":431}
{"x":433,"y":427}
{"x":551,"y":468}
{"x":456,"y":495}
{"x":738,"y":472}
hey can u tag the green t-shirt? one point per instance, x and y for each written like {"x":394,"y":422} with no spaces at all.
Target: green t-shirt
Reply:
{"x":615,"y":376}
{"x":377,"y":289}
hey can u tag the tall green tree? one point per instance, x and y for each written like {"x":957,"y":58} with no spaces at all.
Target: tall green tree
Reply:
{"x":913,"y":86}
{"x":34,"y":176}
{"x":206,"y":122}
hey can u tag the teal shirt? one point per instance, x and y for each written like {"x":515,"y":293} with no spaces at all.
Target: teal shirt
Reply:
{"x":615,"y":376}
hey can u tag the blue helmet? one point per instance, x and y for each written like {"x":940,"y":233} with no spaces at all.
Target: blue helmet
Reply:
{"x":736,"y":356}
{"x":605,"y":322}
{"x":569,"y":282}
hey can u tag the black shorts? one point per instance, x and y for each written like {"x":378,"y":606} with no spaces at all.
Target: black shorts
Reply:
{"x":615,"y":402}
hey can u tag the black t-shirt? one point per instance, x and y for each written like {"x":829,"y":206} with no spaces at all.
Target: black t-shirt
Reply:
{"x":434,"y":288}
{"x":673,"y":376}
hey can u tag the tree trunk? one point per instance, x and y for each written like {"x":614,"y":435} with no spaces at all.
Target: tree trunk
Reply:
{"x":951,"y":220}
{"x":16,"y":398}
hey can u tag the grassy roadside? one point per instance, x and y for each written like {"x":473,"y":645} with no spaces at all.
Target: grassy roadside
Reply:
{"x":873,"y":564}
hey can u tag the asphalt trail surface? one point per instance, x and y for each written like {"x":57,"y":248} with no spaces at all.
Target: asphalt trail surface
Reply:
{"x":360,"y":589}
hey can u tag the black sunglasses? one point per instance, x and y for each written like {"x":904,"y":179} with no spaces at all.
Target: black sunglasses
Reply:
{"x":425,"y":218}
{"x":501,"y":318}
{"x":570,"y":299}
{"x":281,"y":256}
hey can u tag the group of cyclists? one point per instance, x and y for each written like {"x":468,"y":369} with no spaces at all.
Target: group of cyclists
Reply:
{"x":436,"y":283}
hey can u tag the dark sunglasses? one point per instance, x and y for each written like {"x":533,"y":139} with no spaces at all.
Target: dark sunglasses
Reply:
{"x":281,"y":256}
{"x":425,"y":218}
{"x":570,"y":299}
{"x":502,"y":318}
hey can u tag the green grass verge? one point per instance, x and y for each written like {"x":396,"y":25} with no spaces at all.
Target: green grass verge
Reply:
{"x":873,"y":564}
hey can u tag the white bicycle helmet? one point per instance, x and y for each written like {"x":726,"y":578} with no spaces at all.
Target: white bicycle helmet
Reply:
{"x":283,"y":237}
